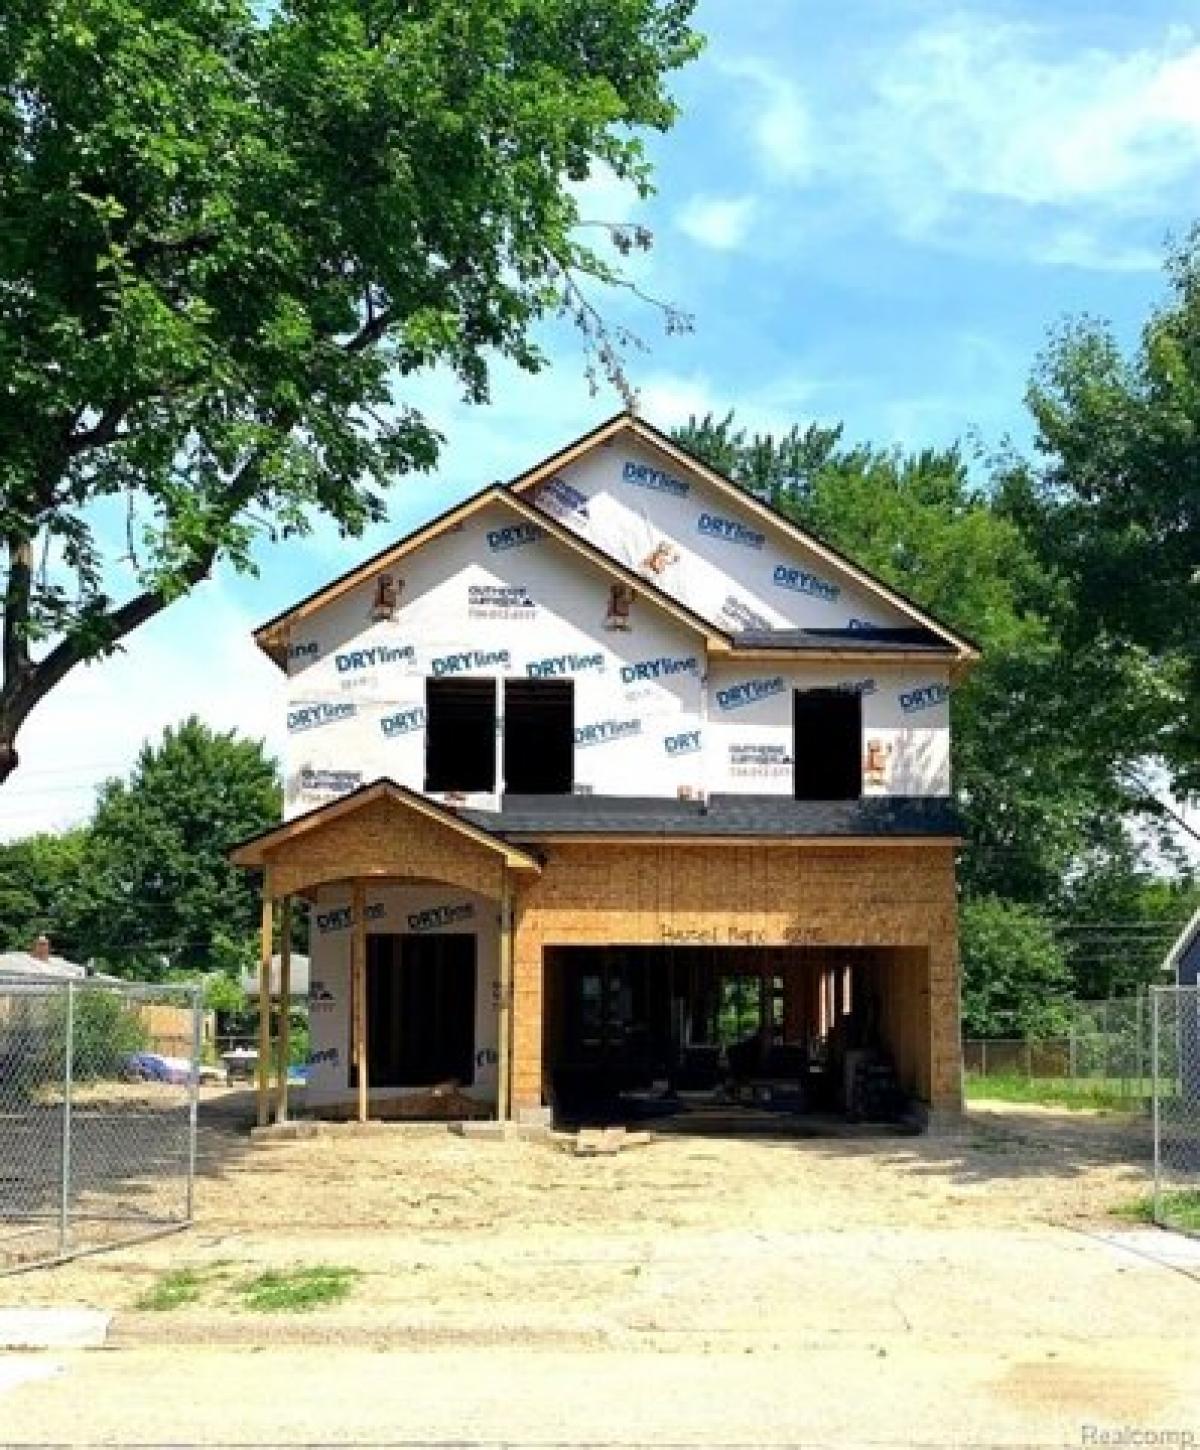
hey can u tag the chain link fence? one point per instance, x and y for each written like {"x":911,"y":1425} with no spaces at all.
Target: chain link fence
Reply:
{"x":1175,"y":1054}
{"x":98,"y":1097}
{"x":1103,"y":1058}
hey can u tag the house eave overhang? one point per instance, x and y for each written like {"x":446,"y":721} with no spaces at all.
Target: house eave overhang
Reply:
{"x":256,"y":851}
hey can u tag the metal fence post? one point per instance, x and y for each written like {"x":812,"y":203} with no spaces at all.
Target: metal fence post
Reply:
{"x":193,"y":1103}
{"x":1155,"y":1002}
{"x":64,"y":1198}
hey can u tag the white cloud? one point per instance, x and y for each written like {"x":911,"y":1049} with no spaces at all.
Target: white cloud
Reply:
{"x":978,"y":134}
{"x":976,"y":109}
{"x":778,"y":119}
{"x":670,"y":399}
{"x":718,"y":222}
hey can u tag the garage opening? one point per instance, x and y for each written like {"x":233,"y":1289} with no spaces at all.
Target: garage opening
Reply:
{"x":460,"y":735}
{"x":420,"y":1009}
{"x":817,"y":1033}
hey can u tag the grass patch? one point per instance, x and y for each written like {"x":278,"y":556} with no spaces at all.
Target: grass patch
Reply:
{"x":173,"y":1290}
{"x":296,"y":1290}
{"x":1101,"y":1093}
{"x":1179,"y":1209}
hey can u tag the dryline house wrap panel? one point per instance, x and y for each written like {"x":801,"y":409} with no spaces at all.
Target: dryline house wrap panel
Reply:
{"x":404,"y":910}
{"x":905,"y":726}
{"x":698,"y":545}
{"x":493,"y":598}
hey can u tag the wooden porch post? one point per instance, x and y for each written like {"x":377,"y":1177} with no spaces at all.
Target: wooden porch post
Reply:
{"x":504,"y":1014}
{"x":264,"y":1004}
{"x":358,"y":971}
{"x":285,"y":1003}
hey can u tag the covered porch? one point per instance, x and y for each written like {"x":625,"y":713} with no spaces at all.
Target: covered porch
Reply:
{"x":368,"y":863}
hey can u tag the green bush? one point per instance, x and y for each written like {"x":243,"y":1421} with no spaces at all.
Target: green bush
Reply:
{"x":1015,"y":978}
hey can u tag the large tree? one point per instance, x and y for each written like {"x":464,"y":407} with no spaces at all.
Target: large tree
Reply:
{"x":39,"y":884}
{"x":228,"y":232}
{"x":1116,"y":503}
{"x":156,"y":891}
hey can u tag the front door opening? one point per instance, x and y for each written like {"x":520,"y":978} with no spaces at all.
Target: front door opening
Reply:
{"x":539,"y":737}
{"x":460,"y":735}
{"x":420,"y":1009}
{"x":828,"y":745}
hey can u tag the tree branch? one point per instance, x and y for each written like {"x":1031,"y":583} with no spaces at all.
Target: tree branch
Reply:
{"x":371,"y":331}
{"x":22,"y":691}
{"x":105,"y":430}
{"x":17,"y":592}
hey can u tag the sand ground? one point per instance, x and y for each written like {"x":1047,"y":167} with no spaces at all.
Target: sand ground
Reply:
{"x":972,"y":1288}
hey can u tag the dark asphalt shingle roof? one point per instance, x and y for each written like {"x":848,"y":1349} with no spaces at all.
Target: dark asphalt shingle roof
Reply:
{"x":725,"y":815}
{"x":873,"y":641}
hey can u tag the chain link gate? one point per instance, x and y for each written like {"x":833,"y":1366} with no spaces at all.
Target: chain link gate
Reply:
{"x":1175,"y":1056}
{"x":99,"y":1085}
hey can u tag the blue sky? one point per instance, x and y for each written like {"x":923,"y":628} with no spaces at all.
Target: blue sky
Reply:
{"x":873,"y":211}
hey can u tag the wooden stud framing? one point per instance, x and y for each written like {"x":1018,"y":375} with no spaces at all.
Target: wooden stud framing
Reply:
{"x":264,"y":1006}
{"x":504,"y":1015}
{"x":285,"y":1004}
{"x":358,"y":970}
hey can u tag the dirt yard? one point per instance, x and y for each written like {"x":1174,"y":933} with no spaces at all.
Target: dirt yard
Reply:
{"x":798,"y":1288}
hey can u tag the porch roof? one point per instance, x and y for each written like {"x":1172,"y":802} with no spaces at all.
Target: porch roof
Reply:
{"x":257,"y":851}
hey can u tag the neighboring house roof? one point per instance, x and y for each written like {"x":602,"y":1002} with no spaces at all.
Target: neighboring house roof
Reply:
{"x":254,"y":850}
{"x":45,"y":969}
{"x":270,"y":636}
{"x":539,"y":817}
{"x":654,"y":438}
{"x":1183,"y":960}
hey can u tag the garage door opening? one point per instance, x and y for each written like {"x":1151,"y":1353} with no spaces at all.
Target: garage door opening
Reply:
{"x":796,"y":1033}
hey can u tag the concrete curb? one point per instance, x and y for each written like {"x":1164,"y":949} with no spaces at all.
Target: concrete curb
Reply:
{"x":53,"y":1328}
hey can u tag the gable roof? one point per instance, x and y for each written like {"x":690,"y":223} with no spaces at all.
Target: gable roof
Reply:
{"x":965,"y":648}
{"x":270,"y":636}
{"x":253,"y":850}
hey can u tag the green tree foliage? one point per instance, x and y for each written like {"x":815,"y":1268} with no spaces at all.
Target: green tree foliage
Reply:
{"x":162,"y":898}
{"x":39,"y":891}
{"x":229,"y":231}
{"x":1116,"y":506}
{"x":1016,"y":981}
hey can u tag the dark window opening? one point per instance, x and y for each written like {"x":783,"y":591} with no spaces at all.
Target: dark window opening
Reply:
{"x":420,"y":1010}
{"x":539,"y":737}
{"x":460,"y":735}
{"x":828,"y":745}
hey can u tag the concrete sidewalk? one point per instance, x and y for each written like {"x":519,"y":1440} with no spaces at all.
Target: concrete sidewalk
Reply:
{"x":867,"y":1337}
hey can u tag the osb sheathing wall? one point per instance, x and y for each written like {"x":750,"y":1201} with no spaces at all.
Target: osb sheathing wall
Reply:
{"x":374,"y":842}
{"x":887,"y":895}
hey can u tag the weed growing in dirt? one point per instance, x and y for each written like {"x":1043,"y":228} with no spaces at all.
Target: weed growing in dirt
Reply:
{"x":1180,"y":1209}
{"x":173,"y":1290}
{"x":291,"y":1290}
{"x":1097,"y":1094}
